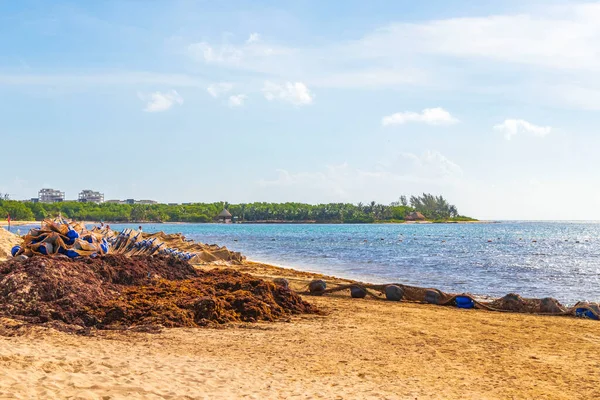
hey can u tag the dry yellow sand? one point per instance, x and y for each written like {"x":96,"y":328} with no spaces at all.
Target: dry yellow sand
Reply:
{"x":362,"y":349}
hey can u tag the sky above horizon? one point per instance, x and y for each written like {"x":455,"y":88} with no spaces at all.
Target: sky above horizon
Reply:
{"x":494,"y":105}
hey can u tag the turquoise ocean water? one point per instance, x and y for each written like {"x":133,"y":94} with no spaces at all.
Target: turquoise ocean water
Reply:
{"x":563,"y":262}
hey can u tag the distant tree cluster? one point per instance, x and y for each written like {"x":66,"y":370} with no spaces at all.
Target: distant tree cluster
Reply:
{"x":432,"y":207}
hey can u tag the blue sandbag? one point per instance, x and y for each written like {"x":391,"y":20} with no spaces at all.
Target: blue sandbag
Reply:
{"x":72,"y":254}
{"x":72,"y":234}
{"x":585,"y":313}
{"x":43,"y":250}
{"x":464,"y":302}
{"x":15,"y":250}
{"x":70,"y":241}
{"x":104,"y":248}
{"x":89,"y":239}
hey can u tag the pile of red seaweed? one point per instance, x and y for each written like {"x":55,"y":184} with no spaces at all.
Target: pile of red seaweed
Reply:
{"x":114,"y":291}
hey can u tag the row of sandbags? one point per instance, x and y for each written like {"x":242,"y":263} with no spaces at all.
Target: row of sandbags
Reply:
{"x":510,"y":303}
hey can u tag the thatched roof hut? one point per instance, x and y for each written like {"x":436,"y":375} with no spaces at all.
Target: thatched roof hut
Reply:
{"x":224,"y":216}
{"x":415,"y":216}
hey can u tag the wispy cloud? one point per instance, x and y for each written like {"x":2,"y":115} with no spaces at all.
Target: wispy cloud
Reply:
{"x":217,"y":89}
{"x":512,"y":127}
{"x":237,"y":100}
{"x":159,"y":101}
{"x":254,"y":37}
{"x":430,"y":116}
{"x":251,"y":54}
{"x":296,"y":93}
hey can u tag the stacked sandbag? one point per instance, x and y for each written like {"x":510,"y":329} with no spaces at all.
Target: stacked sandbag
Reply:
{"x":130,"y":242}
{"x":61,"y":236}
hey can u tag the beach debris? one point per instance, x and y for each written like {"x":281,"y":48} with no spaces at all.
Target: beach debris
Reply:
{"x":282,"y":282}
{"x":61,"y":236}
{"x":72,"y":239}
{"x":118,"y":292}
{"x":394,"y":293}
{"x":358,"y":292}
{"x":317,"y":287}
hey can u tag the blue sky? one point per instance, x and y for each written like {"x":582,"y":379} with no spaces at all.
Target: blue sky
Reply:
{"x":493,"y":104}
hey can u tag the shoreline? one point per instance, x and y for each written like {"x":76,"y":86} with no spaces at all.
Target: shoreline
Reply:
{"x":21,"y":223}
{"x":354,"y":348}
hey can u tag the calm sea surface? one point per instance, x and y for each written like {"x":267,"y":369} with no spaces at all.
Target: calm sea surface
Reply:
{"x":563,"y":262}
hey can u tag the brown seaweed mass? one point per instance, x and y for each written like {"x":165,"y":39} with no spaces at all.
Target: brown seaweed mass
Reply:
{"x":114,"y":290}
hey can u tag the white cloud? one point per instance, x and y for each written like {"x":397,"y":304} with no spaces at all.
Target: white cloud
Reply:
{"x":237,"y":100}
{"x":224,"y":54}
{"x":159,"y":101}
{"x":254,"y":37}
{"x":253,"y":54}
{"x":554,"y":37}
{"x":296,"y":93}
{"x":511,"y":127}
{"x":217,"y":89}
{"x":533,"y":51}
{"x":430,"y":116}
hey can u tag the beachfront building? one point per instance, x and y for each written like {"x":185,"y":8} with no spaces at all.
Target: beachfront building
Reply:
{"x":90,"y":196}
{"x":224,"y":217}
{"x":415,"y":216}
{"x":50,"y":196}
{"x":146,"y":202}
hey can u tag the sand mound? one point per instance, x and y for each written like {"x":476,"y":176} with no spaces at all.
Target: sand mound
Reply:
{"x":114,"y":290}
{"x":7,"y":242}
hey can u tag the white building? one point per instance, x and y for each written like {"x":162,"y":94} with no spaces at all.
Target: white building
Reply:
{"x":51,"y":196}
{"x":90,"y":196}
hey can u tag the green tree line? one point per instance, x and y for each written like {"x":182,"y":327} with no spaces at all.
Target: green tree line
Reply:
{"x":432,"y":207}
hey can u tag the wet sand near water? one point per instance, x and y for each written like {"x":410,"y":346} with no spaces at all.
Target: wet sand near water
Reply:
{"x":361,"y":349}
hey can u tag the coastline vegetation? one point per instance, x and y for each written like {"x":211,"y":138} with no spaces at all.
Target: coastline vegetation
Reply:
{"x":433,"y":208}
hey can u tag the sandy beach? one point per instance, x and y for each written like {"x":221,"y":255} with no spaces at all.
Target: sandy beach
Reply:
{"x":360,"y":348}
